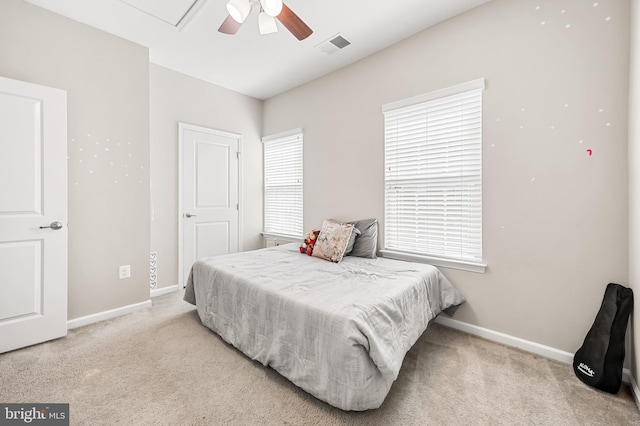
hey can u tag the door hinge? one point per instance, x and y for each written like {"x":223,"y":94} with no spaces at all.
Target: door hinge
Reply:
{"x":238,"y":155}
{"x":238,"y":207}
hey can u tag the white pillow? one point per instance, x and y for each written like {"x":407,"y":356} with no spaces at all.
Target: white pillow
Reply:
{"x":333,"y":240}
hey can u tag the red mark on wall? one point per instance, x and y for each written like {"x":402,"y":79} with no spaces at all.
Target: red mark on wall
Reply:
{"x":590,"y":152}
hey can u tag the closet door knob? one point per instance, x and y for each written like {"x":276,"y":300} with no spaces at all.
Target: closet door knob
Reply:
{"x":54,"y":225}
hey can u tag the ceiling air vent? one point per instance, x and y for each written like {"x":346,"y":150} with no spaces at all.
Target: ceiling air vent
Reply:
{"x":334,"y":44}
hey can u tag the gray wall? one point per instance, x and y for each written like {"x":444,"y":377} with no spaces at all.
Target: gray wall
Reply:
{"x":107,"y":84}
{"x":555,"y":218}
{"x":175,"y":98}
{"x":634,"y":178}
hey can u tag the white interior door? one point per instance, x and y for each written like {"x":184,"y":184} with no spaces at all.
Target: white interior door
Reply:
{"x":210,"y":192}
{"x":33,"y":214}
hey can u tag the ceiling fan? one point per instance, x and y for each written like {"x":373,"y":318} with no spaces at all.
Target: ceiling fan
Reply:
{"x":270,"y":10}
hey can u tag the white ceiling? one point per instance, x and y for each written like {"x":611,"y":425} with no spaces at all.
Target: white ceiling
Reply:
{"x":183,"y":35}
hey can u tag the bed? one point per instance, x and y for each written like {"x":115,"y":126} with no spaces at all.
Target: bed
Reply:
{"x":340,"y":331}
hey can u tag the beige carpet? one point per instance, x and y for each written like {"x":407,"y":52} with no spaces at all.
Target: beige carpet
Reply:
{"x":160,"y":366}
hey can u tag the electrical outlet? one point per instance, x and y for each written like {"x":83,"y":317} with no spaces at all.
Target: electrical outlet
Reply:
{"x":124,"y":272}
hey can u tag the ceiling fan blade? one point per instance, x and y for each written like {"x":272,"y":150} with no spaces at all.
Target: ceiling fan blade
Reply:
{"x":229,"y":26}
{"x":293,"y":23}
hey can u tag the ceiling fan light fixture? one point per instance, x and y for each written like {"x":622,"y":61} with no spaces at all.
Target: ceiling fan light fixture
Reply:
{"x":272,"y":7}
{"x":267,"y":24}
{"x":239,"y":9}
{"x":270,"y":10}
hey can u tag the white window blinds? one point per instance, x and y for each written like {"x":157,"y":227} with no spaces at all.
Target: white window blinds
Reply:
{"x":283,"y":184}
{"x":433,"y":175}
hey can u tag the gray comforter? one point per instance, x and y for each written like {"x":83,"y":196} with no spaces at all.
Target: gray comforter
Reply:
{"x":338,"y":331}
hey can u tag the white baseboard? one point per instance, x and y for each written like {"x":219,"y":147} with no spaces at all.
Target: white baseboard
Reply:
{"x":112,"y":313}
{"x":155,"y":292}
{"x":505,"y":339}
{"x":634,"y":388}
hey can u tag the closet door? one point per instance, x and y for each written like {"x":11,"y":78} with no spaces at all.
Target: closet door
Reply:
{"x":33,"y":214}
{"x":210,"y":194}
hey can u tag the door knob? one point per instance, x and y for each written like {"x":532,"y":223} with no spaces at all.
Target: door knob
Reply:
{"x":188,"y":215}
{"x":54,"y":225}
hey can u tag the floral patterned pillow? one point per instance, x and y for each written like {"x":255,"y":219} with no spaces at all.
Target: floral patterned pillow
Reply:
{"x":333,"y":240}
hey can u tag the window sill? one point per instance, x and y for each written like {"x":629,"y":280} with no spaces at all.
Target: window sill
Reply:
{"x":287,"y":238}
{"x":436,"y":261}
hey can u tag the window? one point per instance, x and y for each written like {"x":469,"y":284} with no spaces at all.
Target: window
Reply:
{"x":283,"y":184}
{"x":433,"y":176}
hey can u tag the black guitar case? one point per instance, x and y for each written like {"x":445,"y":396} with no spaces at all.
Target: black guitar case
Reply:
{"x":599,"y":360}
